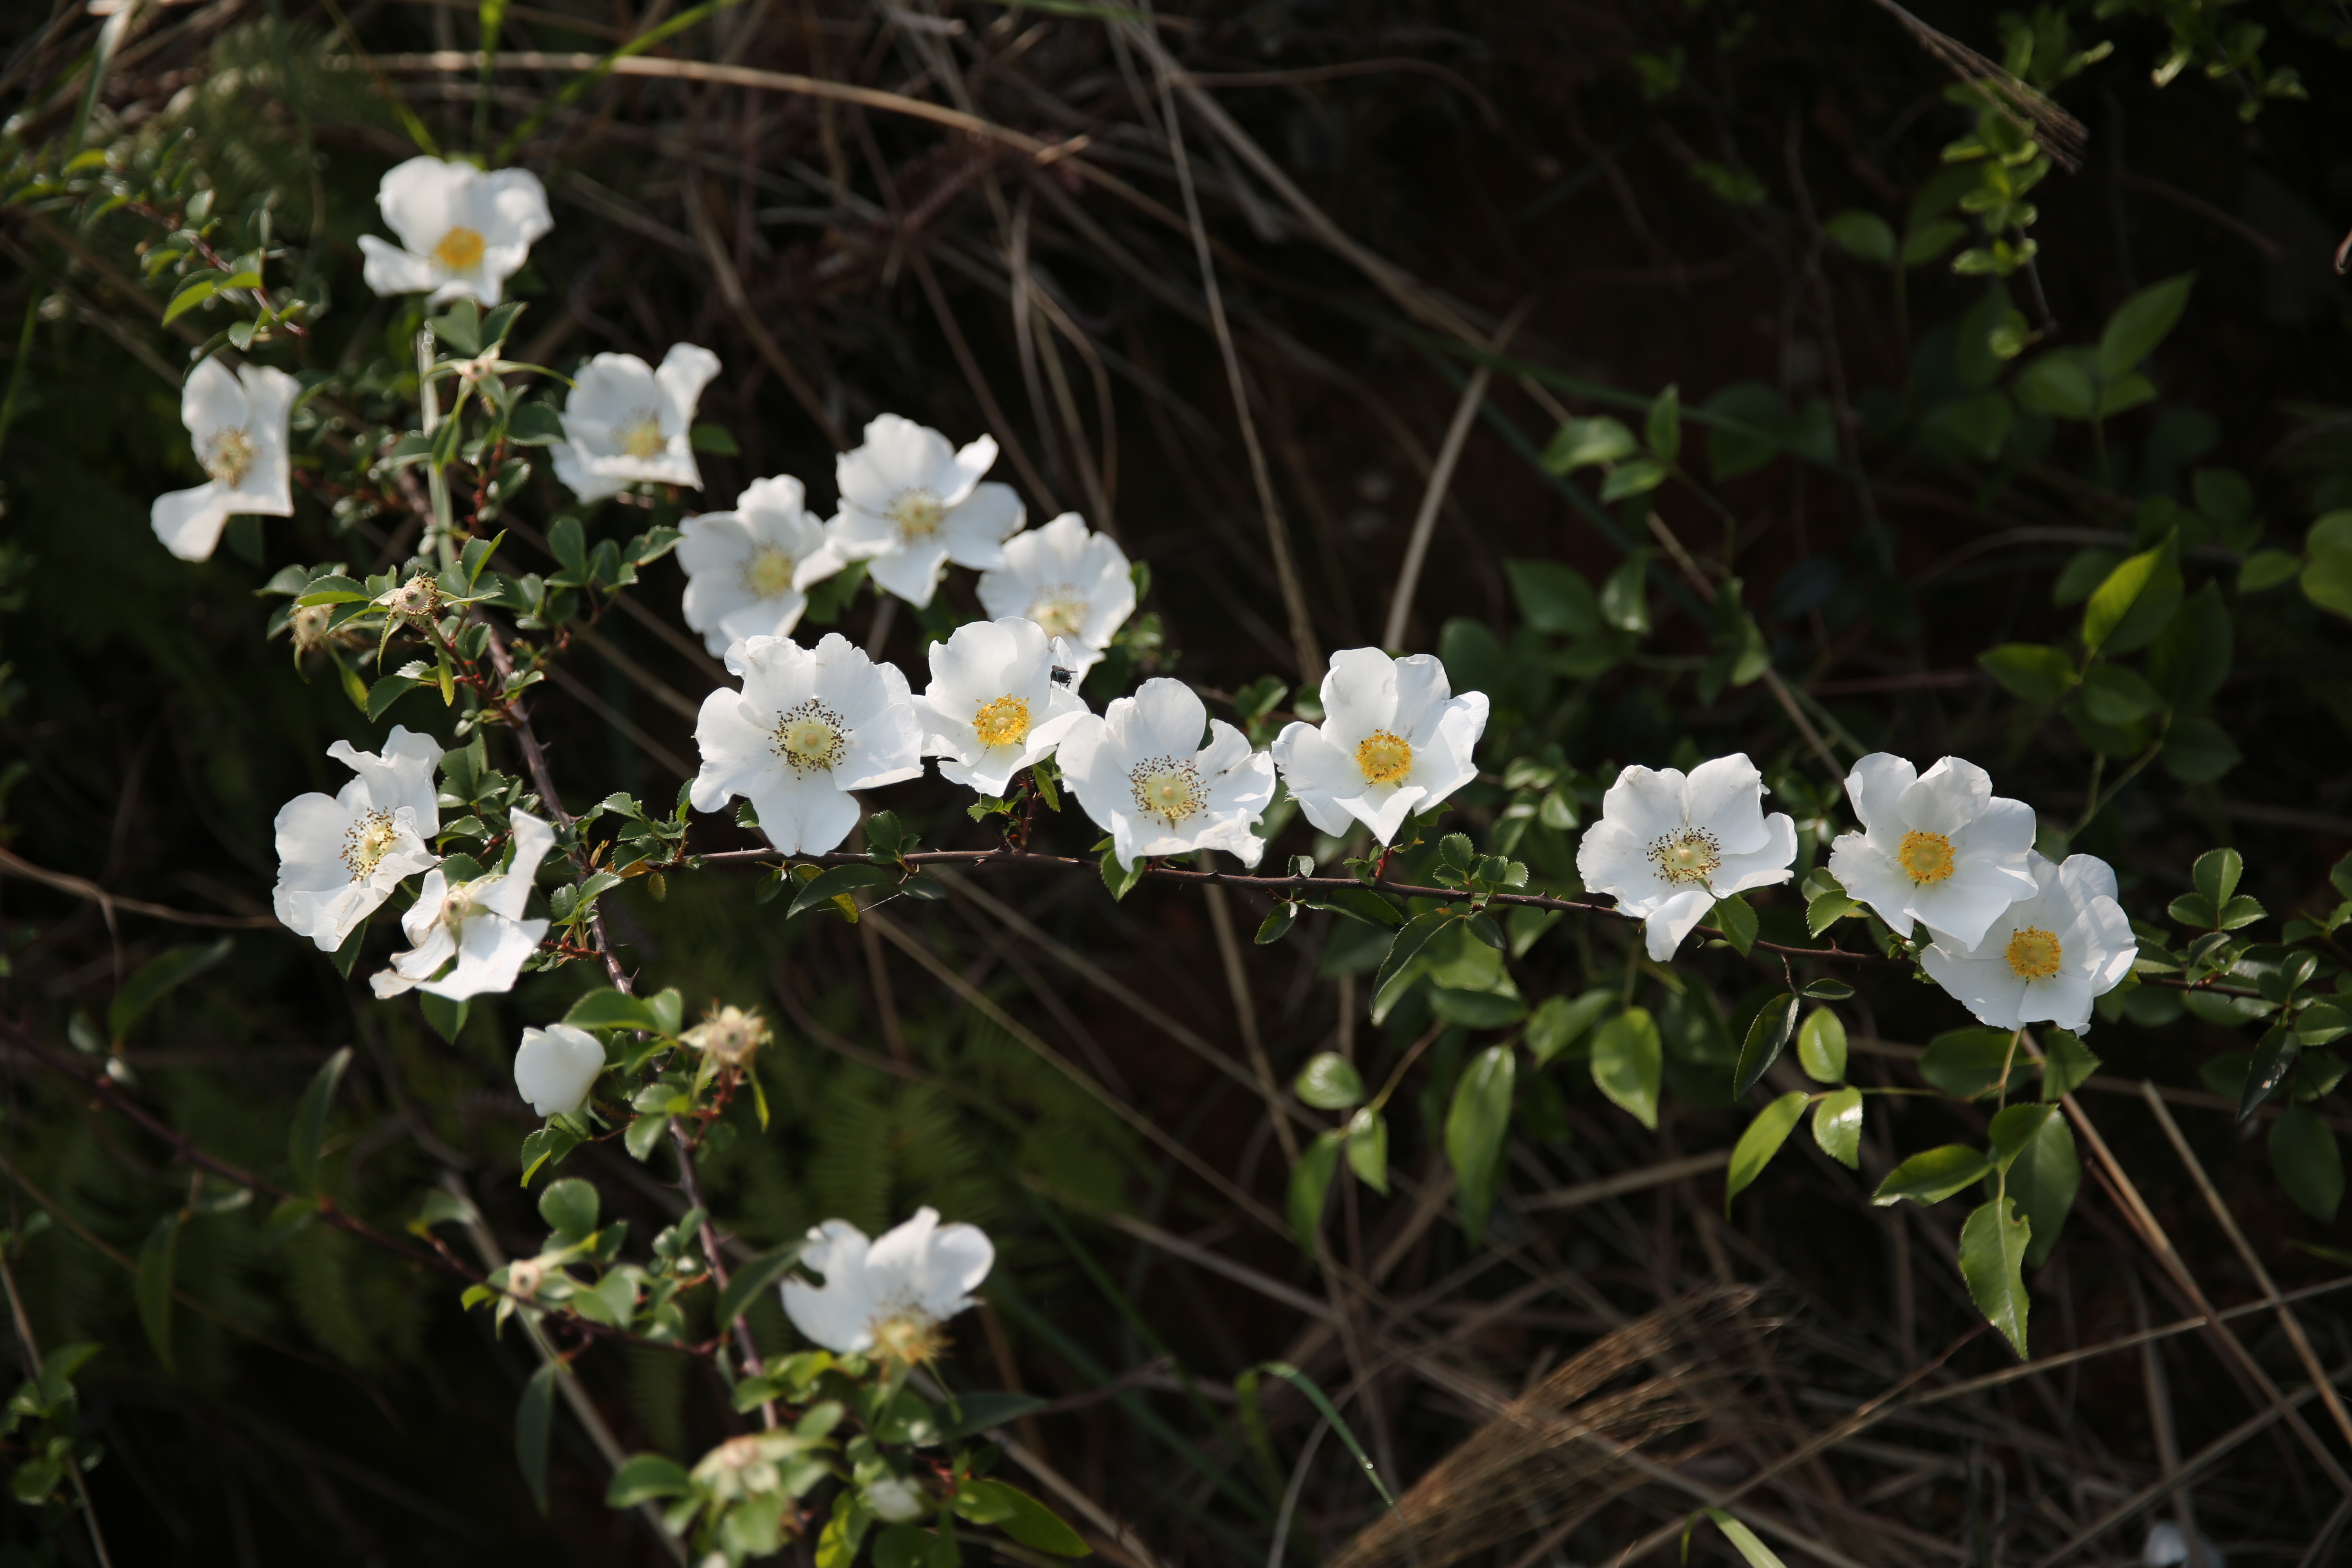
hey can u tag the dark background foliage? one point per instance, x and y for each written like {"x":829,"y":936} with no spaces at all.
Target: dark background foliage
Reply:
{"x":1564,"y":167}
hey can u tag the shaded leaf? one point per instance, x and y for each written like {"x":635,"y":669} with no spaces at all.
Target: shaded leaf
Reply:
{"x":1761,"y":1141}
{"x":1993,"y":1241}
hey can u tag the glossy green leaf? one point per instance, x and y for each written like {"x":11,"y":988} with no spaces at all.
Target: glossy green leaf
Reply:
{"x":1398,"y":972}
{"x":569,"y":1207}
{"x":1581,"y":443}
{"x":1368,"y":1149}
{"x":2327,"y":574}
{"x":1993,"y":1242}
{"x":1360,"y":904}
{"x":308,"y":1135}
{"x":1329,"y":1082}
{"x":2029,"y":670}
{"x":2044,"y":1176}
{"x":1735,"y":919}
{"x":1558,"y":1023}
{"x":1030,"y":1522}
{"x":1837,"y":1126}
{"x":2067,"y":1064}
{"x":2128,"y":609}
{"x":839,"y":882}
{"x":1934,"y":1175}
{"x":1628,"y":1061}
{"x":2307,"y":1163}
{"x":1967,"y":1063}
{"x":1277,"y":923}
{"x":1743,"y":1541}
{"x":750,"y":1278}
{"x":2273,"y":1061}
{"x":1478,"y":1125}
{"x":1823,"y":910}
{"x":1821,"y":1046}
{"x":1768,"y":1037}
{"x":1663,"y":425}
{"x":2012,"y":1127}
{"x":648,"y":1477}
{"x":1761,"y":1141}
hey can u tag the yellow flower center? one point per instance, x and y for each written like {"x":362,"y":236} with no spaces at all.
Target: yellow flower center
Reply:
{"x":2034,"y":954}
{"x":1384,"y":758}
{"x":1060,"y":609}
{"x":1167,"y":788}
{"x":906,"y":1339}
{"x":767,"y":574}
{"x":460,"y":249}
{"x":811,"y":738}
{"x":1687,"y":857}
{"x":228,"y":455}
{"x":640,"y":436}
{"x":917,"y":514}
{"x":367,"y":842}
{"x":1926,"y":857}
{"x":1003,"y":723}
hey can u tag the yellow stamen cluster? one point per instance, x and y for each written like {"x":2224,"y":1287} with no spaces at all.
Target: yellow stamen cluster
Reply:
{"x":1688,"y":858}
{"x":639,"y":435}
{"x":917,"y":515}
{"x":1926,"y":857}
{"x":1383,"y":758}
{"x":229,"y":455}
{"x":908,"y":1339}
{"x":1003,"y":723}
{"x":367,"y":841}
{"x":460,"y":248}
{"x":1168,"y":788}
{"x":1059,"y":609}
{"x":2034,"y":954}
{"x":811,"y":738}
{"x":768,"y":572}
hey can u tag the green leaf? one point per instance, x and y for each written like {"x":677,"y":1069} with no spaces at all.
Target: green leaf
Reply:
{"x":2307,"y":1163}
{"x":2266,"y":569}
{"x":1768,"y":1037}
{"x":1476,"y":1125}
{"x":1315,"y":1397}
{"x":839,"y":882}
{"x":1735,"y":919}
{"x":1368,"y":1149}
{"x":1633,"y":477}
{"x":1746,"y":1541}
{"x":1277,"y":923}
{"x":1310,"y":1184}
{"x":1929,"y":240}
{"x":2029,"y":670}
{"x":1026,"y":1520}
{"x":2067,"y":1064}
{"x":647,"y":1478}
{"x":2044,"y":1175}
{"x":534,"y":1421}
{"x":1968,"y":1063}
{"x":1329,"y":1082}
{"x":2189,"y":658}
{"x":1664,"y":424}
{"x":191,"y":294}
{"x":715,"y":439}
{"x":157,"y":1256}
{"x":2058,"y":384}
{"x":1119,"y":879}
{"x":1933,"y":1176}
{"x":607,"y":1009}
{"x":1554,"y":598}
{"x":1628,"y":1060}
{"x":1821,"y":1046}
{"x":2012,"y":1127}
{"x":460,"y":327}
{"x":1837,"y":1126}
{"x":569,"y":1207}
{"x":2328,"y":579}
{"x":750,"y":1278}
{"x":1397,"y":971}
{"x":1624,"y":597}
{"x":2198,"y":750}
{"x":2139,"y":324}
{"x":2115,"y":695}
{"x":972,"y":1413}
{"x":1993,"y":1240}
{"x":2128,"y":609}
{"x":2273,"y":1061}
{"x":1864,"y":236}
{"x":446,"y":1018}
{"x":2322,"y":1022}
{"x":172,"y":967}
{"x":1823,"y":910}
{"x":309,"y":1134}
{"x":534,"y":424}
{"x":2217,"y":874}
{"x":1357,"y":904}
{"x":1581,"y":443}
{"x":1559,"y":1022}
{"x":1761,"y":1141}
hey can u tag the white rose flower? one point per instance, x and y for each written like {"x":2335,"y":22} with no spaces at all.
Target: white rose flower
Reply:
{"x":747,"y":570}
{"x":1142,"y":774}
{"x":889,"y":1295}
{"x":237,"y":423}
{"x":463,"y":232}
{"x":556,"y":1068}
{"x":1938,"y":847}
{"x":895,"y":1501}
{"x":2044,"y":957}
{"x":910,"y":504}
{"x":340,"y":856}
{"x":1394,"y":741}
{"x":1668,"y":845}
{"x":1075,"y":584}
{"x":478,"y":923}
{"x":992,"y":706}
{"x":625,"y":423}
{"x":809,"y":726}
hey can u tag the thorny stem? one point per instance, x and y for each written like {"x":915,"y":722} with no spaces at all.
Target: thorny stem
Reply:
{"x":212,"y":258}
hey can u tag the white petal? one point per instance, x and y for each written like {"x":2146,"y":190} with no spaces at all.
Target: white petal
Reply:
{"x":836,"y":1315}
{"x":896,"y":455}
{"x":1164,"y":718}
{"x":1422,"y":695}
{"x":1766,"y":866}
{"x":556,"y":1066}
{"x":572,"y":470}
{"x":1866,"y":873}
{"x":1317,"y":772}
{"x":189,"y":523}
{"x":802,"y":815}
{"x":213,"y":399}
{"x":975,"y":530}
{"x":1726,"y":796}
{"x":1875,"y":788}
{"x":912,"y":573}
{"x":489,"y":955}
{"x":1647,"y":803}
{"x":388,"y":270}
{"x":685,"y":371}
{"x":1982,"y":981}
{"x":972,"y":460}
{"x":1674,"y":920}
{"x":1947,"y":798}
{"x":1611,"y":859}
{"x":1359,"y":695}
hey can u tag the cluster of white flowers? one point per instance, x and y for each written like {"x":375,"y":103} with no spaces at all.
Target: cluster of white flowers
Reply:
{"x":1153,"y":770}
{"x":2017,"y":939}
